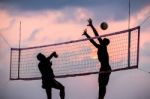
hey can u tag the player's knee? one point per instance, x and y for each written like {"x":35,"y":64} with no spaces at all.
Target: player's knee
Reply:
{"x":62,"y":87}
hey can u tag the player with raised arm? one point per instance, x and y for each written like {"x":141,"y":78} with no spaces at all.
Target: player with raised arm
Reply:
{"x":103,"y":58}
{"x":48,"y":81}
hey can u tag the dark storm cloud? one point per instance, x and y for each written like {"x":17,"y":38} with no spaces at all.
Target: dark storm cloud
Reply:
{"x":47,"y":4}
{"x":102,"y":9}
{"x":58,"y":4}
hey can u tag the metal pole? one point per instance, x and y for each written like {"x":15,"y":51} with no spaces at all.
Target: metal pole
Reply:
{"x":10,"y":64}
{"x":20,"y":35}
{"x":129,"y":45}
{"x":129,"y":38}
{"x":129,"y":16}
{"x":138,"y":46}
{"x":19,"y":51}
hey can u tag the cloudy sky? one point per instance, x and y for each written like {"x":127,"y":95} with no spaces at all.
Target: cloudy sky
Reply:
{"x":53,"y":21}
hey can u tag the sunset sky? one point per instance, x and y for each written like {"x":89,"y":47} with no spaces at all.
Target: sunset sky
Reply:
{"x":54,"y":21}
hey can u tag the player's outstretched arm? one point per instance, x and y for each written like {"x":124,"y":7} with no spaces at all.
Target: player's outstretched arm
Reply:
{"x":54,"y":54}
{"x":91,"y":40}
{"x":94,"y":30}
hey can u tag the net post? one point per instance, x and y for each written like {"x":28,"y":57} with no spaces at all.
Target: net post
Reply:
{"x":19,"y":63}
{"x":138,"y":46}
{"x":10,"y":63}
{"x":129,"y":46}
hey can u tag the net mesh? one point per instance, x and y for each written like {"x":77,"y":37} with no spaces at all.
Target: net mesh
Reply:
{"x":77,"y":57}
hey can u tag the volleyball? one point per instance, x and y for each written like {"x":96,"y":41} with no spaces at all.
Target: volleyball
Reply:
{"x":104,"y":25}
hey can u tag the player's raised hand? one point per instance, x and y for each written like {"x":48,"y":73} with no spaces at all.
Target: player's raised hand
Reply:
{"x":90,"y":22}
{"x":55,"y":54}
{"x":84,"y":32}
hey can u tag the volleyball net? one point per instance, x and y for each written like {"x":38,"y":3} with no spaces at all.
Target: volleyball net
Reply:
{"x":77,"y":57}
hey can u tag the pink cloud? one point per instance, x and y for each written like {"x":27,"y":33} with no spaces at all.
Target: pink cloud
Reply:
{"x":51,"y":29}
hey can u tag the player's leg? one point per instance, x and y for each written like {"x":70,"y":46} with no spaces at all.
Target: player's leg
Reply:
{"x":49,"y":93}
{"x":102,"y":91}
{"x":103,"y":81}
{"x":59,"y":86}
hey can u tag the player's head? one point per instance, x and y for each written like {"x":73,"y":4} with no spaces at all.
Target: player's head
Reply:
{"x":41,"y":57}
{"x":106,"y":41}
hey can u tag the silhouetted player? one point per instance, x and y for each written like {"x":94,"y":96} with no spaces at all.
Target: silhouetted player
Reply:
{"x":103,"y":58}
{"x":48,"y":81}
